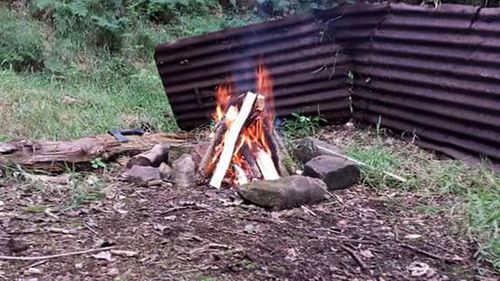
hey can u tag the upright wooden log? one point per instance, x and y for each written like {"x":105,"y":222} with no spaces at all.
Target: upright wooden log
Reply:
{"x":230,"y":140}
{"x":56,"y":156}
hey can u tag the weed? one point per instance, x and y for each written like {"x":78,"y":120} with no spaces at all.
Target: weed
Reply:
{"x":98,"y":164}
{"x":85,"y":190}
{"x":301,"y":126}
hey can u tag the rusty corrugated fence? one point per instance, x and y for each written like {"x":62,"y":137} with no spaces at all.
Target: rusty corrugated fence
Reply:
{"x":308,"y":69}
{"x":429,"y":73}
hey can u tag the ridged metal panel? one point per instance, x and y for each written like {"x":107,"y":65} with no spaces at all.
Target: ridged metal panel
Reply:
{"x":434,"y":73}
{"x":308,"y":70}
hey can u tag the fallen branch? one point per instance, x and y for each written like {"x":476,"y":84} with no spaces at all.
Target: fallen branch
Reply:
{"x":430,"y":255}
{"x":355,"y":257}
{"x":25,"y":258}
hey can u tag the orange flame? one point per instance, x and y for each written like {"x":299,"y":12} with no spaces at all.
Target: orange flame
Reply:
{"x":253,"y":137}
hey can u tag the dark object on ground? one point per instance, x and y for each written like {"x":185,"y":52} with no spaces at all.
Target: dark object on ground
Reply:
{"x":183,"y":171}
{"x":142,"y":175}
{"x":153,"y":157}
{"x":286,"y":192}
{"x":308,"y":148}
{"x":120,"y":134}
{"x":336,"y":172}
{"x":57,"y":156}
{"x":165,"y":171}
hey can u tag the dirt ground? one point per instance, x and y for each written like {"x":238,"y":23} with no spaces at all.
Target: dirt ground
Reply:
{"x":165,"y":233}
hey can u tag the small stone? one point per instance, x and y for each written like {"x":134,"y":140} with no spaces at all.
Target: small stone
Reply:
{"x":308,"y":148}
{"x":183,"y":171}
{"x":286,"y":192}
{"x":141,"y":175}
{"x":336,"y":172}
{"x":79,"y":265}
{"x":33,"y":270}
{"x":165,"y":171}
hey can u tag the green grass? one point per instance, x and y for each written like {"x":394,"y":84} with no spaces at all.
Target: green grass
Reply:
{"x":83,"y":89}
{"x":477,"y":188}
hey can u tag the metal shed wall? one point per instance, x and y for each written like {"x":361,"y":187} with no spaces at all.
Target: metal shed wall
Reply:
{"x":308,"y":70}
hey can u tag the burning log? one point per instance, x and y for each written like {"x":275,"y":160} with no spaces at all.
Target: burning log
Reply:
{"x":243,"y":147}
{"x":230,"y":140}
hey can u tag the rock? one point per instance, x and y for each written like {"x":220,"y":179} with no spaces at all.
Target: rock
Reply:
{"x":165,"y":171}
{"x":336,"y":172}
{"x":195,"y":150}
{"x":141,"y":175}
{"x":308,"y":148}
{"x":183,"y":171}
{"x":286,"y":192}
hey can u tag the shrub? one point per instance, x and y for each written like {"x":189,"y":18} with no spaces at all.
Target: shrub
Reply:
{"x":21,"y":46}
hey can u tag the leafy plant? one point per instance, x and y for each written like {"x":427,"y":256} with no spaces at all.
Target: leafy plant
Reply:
{"x":301,"y":126}
{"x":98,"y":164}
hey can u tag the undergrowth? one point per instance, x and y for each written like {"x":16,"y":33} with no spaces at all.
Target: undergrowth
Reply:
{"x":477,"y":188}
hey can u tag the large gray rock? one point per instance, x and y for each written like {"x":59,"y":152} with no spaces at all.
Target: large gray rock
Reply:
{"x":336,"y":172}
{"x":286,"y":192}
{"x":308,"y":148}
{"x":142,"y":175}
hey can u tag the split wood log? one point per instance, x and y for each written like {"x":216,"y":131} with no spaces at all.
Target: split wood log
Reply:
{"x":56,"y":156}
{"x":154,"y":157}
{"x":230,"y":139}
{"x":266,"y":165}
{"x":220,"y":128}
{"x":287,"y":165}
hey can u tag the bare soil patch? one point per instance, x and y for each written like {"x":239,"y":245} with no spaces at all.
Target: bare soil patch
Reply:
{"x":200,"y":233}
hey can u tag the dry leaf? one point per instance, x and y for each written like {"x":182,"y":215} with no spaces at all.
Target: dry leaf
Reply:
{"x":106,"y":255}
{"x":367,"y":254}
{"x":419,"y":269}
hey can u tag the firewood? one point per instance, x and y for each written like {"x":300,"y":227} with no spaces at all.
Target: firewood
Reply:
{"x":266,"y":165}
{"x":220,"y":128}
{"x":240,"y":174}
{"x":56,"y":156}
{"x":230,"y":140}
{"x":247,"y":155}
{"x":153,"y":157}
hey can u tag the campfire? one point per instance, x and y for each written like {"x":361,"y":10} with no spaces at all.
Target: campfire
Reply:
{"x":244,"y":146}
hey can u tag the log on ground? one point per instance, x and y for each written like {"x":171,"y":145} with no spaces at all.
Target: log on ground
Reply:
{"x":57,"y":156}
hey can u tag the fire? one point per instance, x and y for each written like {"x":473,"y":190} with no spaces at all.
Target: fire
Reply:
{"x":254,"y":141}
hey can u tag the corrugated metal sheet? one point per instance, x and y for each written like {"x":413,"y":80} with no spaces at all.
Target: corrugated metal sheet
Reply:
{"x":424,"y":72}
{"x":309,"y":71}
{"x":433,"y":73}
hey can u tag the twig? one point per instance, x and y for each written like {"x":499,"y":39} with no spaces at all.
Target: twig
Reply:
{"x":90,"y":228}
{"x":394,"y":176}
{"x":355,"y":257}
{"x":25,"y":258}
{"x":428,"y":254}
{"x":36,"y":263}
